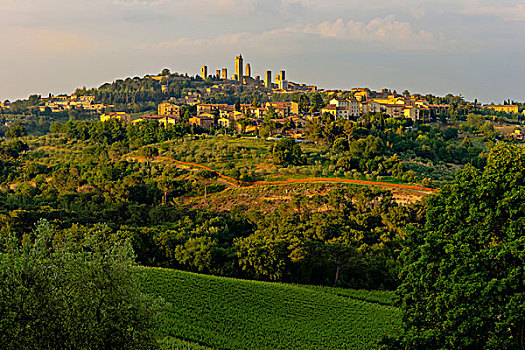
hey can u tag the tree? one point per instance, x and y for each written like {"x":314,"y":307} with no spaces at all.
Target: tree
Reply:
{"x":450,"y":133}
{"x":474,"y":122}
{"x":286,"y":151}
{"x":304,"y":103}
{"x":166,"y":184}
{"x":148,"y":153}
{"x":13,"y":149}
{"x":263,"y":254}
{"x":316,"y":102}
{"x":18,"y":129}
{"x":19,"y":146}
{"x":244,"y":122}
{"x":341,"y":255}
{"x":197,"y":252}
{"x":463,"y":277}
{"x":314,"y":130}
{"x":340,"y":145}
{"x":466,"y":142}
{"x":205,"y":177}
{"x":57,"y":293}
{"x":271,"y":114}
{"x":72,"y":114}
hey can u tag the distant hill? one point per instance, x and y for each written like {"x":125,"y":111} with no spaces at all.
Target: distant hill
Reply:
{"x":227,"y":313}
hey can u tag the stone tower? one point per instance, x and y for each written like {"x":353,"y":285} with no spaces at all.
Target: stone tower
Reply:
{"x":238,"y":68}
{"x":268,"y":79}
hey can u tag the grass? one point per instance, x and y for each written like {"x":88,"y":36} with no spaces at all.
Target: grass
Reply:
{"x":170,"y":343}
{"x":228,"y":313}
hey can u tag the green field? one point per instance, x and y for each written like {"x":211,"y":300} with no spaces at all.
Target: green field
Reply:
{"x":226,"y":313}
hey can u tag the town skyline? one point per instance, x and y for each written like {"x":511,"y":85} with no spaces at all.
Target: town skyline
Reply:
{"x":467,"y":47}
{"x":230,"y":72}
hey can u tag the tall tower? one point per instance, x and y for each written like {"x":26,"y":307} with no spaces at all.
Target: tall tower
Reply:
{"x":248,"y":70}
{"x":224,"y":74}
{"x":268,"y":79}
{"x":238,"y":68}
{"x":218,"y":73}
{"x":282,"y":75}
{"x":204,"y":72}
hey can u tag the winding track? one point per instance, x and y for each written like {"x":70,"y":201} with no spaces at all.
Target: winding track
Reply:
{"x":235,"y":182}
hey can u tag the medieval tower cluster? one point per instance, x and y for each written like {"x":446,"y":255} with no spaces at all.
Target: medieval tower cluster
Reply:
{"x":243,"y":75}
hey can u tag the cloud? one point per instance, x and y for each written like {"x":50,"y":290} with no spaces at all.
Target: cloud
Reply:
{"x":279,"y":40}
{"x":138,"y":2}
{"x":196,"y":8}
{"x":385,"y":30}
{"x":417,"y":13}
{"x":223,"y":8}
{"x":507,"y":14}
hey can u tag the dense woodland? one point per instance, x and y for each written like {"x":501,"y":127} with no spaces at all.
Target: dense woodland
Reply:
{"x":470,"y":253}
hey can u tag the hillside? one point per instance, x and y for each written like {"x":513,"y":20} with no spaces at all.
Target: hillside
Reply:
{"x":227,"y":313}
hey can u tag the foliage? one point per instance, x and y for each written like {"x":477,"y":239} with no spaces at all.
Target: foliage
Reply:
{"x":76,"y":182}
{"x":57,"y":292}
{"x":171,"y":343}
{"x":287,"y":152}
{"x":463,"y":277}
{"x":16,"y":130}
{"x":12,"y":149}
{"x":113,"y":131}
{"x":300,"y":242}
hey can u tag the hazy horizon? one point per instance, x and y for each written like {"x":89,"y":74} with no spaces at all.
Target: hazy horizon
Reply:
{"x":467,"y":47}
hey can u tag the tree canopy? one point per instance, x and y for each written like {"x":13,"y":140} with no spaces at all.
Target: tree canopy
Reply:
{"x":62,"y":292}
{"x":286,"y":151}
{"x":463,"y":275}
{"x":16,"y":130}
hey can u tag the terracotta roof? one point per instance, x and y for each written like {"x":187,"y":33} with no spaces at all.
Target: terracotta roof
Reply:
{"x":511,"y":106}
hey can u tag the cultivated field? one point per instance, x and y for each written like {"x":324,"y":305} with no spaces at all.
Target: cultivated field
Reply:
{"x":226,"y":313}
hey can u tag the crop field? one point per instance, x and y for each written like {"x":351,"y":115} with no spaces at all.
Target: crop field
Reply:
{"x":226,"y":313}
{"x":372,"y":296}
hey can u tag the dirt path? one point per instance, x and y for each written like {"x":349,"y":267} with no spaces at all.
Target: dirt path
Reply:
{"x":232,"y":181}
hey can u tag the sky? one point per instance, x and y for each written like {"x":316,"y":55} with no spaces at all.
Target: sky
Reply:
{"x":475,"y":48}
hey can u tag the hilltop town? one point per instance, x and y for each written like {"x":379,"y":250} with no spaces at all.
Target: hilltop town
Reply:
{"x":244,"y":103}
